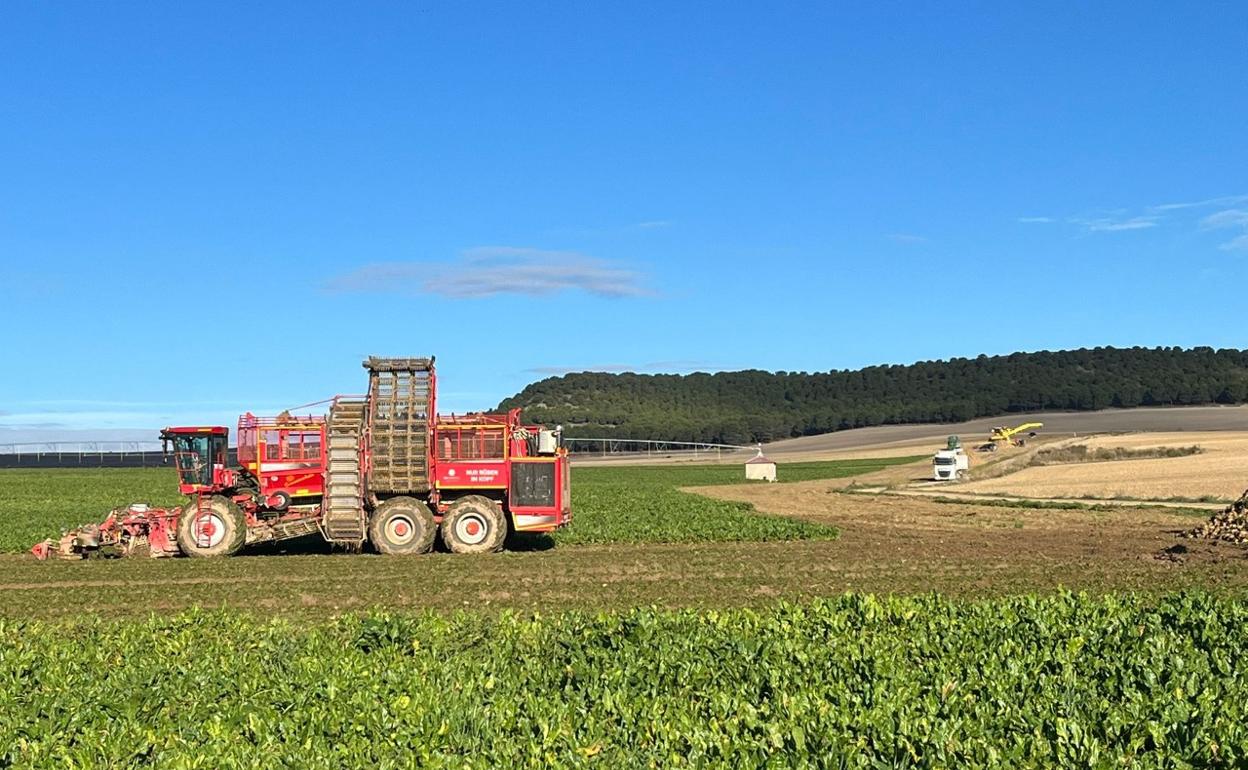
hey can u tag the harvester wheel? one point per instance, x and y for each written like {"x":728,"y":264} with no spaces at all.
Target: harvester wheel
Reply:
{"x":474,"y":524}
{"x":278,"y":501}
{"x":401,"y":526}
{"x":216,"y":528}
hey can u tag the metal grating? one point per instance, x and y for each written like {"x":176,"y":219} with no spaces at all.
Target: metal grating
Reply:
{"x":400,"y":396}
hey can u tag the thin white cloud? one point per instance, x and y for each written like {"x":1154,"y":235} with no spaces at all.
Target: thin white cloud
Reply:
{"x":1232,"y":216}
{"x":1225,"y":200}
{"x":129,"y":418}
{"x":79,"y":404}
{"x":1036,"y":220}
{"x":906,"y":238}
{"x":558,"y":370}
{"x":676,"y":365}
{"x":1236,"y":219}
{"x":613,"y":231}
{"x":488,"y":271}
{"x":1239,"y":243}
{"x":1228,"y":218}
{"x":1106,"y":225}
{"x":681,"y":364}
{"x":52,"y":437}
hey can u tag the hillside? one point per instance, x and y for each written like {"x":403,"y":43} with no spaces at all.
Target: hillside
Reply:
{"x":752,"y":405}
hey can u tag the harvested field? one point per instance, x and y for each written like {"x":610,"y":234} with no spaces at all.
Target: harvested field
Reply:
{"x":899,"y":438}
{"x":904,"y":440}
{"x":886,"y":545}
{"x":1220,"y":471}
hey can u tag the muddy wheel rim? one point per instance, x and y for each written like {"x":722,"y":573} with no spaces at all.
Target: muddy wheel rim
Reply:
{"x":209,"y":530}
{"x":472,"y":528}
{"x":400,"y":529}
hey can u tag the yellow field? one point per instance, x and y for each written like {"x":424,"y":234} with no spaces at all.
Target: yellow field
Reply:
{"x":1221,"y":470}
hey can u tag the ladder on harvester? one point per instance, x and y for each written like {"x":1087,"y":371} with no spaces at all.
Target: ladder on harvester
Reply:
{"x":343,"y":509}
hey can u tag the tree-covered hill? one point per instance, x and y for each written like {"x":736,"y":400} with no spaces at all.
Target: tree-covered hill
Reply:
{"x":752,"y":405}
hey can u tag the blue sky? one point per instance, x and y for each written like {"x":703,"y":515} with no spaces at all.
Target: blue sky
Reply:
{"x":215,"y":207}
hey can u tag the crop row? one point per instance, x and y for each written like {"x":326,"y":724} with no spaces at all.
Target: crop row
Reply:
{"x":851,"y":682}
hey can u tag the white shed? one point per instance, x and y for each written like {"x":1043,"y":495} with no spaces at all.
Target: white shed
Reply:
{"x":760,"y":469}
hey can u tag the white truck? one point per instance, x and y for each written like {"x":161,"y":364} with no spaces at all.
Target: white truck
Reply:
{"x":950,"y":464}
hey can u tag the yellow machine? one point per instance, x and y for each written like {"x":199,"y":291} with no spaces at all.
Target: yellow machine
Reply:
{"x":1008,"y":434}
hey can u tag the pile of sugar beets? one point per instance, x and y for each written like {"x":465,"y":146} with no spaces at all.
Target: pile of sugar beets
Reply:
{"x":1230,"y":524}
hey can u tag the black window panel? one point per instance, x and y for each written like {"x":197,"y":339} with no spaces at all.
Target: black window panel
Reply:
{"x":533,"y":484}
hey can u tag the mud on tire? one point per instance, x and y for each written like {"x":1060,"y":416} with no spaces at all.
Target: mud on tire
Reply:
{"x":402,"y":525}
{"x":216,"y":527}
{"x":474,"y":524}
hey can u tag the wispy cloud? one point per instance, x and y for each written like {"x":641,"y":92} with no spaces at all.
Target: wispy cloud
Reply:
{"x":676,"y":365}
{"x":1238,"y":243}
{"x":1149,"y":217}
{"x":129,"y":418}
{"x":557,"y":370}
{"x":146,"y":416}
{"x":906,"y":238}
{"x":1235,"y":219}
{"x":1228,"y":218}
{"x":41,"y":437}
{"x":618,"y":230}
{"x":1225,"y":200}
{"x":681,"y":364}
{"x":488,"y":271}
{"x":1110,"y":225}
{"x":80,"y":404}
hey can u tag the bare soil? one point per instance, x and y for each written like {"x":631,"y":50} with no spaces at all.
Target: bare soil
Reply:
{"x":887,"y":544}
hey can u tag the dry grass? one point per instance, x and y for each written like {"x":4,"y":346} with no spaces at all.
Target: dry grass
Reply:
{"x":1220,"y":471}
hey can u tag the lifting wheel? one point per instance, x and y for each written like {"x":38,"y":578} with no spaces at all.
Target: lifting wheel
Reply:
{"x":278,"y":501}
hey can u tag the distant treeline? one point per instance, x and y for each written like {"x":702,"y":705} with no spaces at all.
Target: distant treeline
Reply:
{"x":749,"y":406}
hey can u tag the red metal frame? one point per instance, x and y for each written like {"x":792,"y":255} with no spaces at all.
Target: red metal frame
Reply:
{"x":266,"y":454}
{"x":488,"y":466}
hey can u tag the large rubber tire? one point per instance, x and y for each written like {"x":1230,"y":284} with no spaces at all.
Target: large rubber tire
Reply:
{"x":217,"y":528}
{"x":402,"y":526}
{"x":474,"y":524}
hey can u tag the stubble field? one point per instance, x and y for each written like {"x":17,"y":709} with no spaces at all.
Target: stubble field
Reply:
{"x":1218,"y":472}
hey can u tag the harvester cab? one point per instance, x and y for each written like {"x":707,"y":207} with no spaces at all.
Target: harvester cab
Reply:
{"x":200,"y":456}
